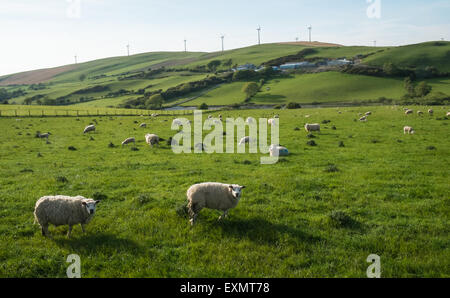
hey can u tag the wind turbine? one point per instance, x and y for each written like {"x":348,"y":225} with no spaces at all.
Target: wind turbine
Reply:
{"x":185,"y":47}
{"x":310,"y":29}
{"x":259,"y":34}
{"x":375,"y":43}
{"x":128,"y":49}
{"x":76,"y":60}
{"x":222,"y":37}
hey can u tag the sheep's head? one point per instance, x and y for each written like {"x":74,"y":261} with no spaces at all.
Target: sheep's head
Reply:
{"x":90,"y":206}
{"x":236,"y":190}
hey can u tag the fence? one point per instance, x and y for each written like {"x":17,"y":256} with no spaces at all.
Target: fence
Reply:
{"x":88,"y":113}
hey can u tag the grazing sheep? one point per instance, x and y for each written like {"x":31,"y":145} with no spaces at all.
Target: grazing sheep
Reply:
{"x":277,"y":150}
{"x":363,"y":119}
{"x":272,"y":122}
{"x":307,"y":116}
{"x":368,"y":113}
{"x":312,"y":127}
{"x":89,"y":128}
{"x":408,"y":130}
{"x":154,"y":115}
{"x":250,"y":120}
{"x":43,"y":135}
{"x":152,"y":139}
{"x":409,"y":112}
{"x":63,"y":210}
{"x":211,"y":195}
{"x":448,"y":114}
{"x":246,"y":140}
{"x":431,"y":112}
{"x":128,"y":141}
{"x":143,"y":125}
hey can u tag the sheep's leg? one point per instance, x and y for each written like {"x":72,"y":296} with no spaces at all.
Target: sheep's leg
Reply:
{"x":44,"y":229}
{"x":69,"y":232}
{"x":224,"y":215}
{"x":83,"y":228}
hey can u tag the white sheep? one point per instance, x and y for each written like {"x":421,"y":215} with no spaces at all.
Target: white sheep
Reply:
{"x":272,"y":122}
{"x":368,"y":113}
{"x":212,"y":195}
{"x":363,"y":119}
{"x":89,"y":128}
{"x":152,"y":139}
{"x":44,"y":135}
{"x":128,"y":141}
{"x":250,"y":120}
{"x":246,"y":140}
{"x":312,"y":127}
{"x":408,"y":130}
{"x":431,"y":112}
{"x":277,"y":150}
{"x":409,"y":112}
{"x":448,"y":114}
{"x":64,"y":210}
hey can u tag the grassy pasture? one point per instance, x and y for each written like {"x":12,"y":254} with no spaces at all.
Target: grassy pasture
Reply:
{"x":393,"y":190}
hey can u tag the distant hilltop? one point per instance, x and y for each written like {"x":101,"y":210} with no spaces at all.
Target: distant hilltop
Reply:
{"x":312,"y":44}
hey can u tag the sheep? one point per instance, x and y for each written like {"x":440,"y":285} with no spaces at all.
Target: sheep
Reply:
{"x":128,"y":141}
{"x":272,"y":122}
{"x":409,"y":112}
{"x":43,"y":135}
{"x":89,"y":129}
{"x":64,"y":210}
{"x":448,"y":114}
{"x":143,"y":125}
{"x":368,"y":113}
{"x":250,"y":120}
{"x":154,"y":115}
{"x":152,"y":139}
{"x":431,"y":112}
{"x":363,"y":119}
{"x":277,"y":150}
{"x":212,"y":195}
{"x":246,"y":140}
{"x":312,"y":127}
{"x":408,"y":129}
{"x":276,"y":116}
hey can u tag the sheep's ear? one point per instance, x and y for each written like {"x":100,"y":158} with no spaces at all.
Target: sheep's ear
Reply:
{"x":230,"y":186}
{"x":84,"y":204}
{"x":242,"y":187}
{"x":96,"y":202}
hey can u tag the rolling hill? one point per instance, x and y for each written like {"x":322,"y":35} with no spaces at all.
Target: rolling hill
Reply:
{"x":113,"y":81}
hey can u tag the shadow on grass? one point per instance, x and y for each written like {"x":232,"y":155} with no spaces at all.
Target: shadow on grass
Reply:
{"x":98,"y":242}
{"x":261,"y":230}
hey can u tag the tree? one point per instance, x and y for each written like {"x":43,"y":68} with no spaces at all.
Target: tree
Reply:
{"x":423,"y":89}
{"x":82,"y":77}
{"x":250,"y":89}
{"x":28,"y":101}
{"x":390,"y":69}
{"x":154,"y":101}
{"x":409,"y":86}
{"x":212,"y":65}
{"x":203,"y":106}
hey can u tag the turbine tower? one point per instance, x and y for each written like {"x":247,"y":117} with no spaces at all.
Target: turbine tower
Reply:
{"x":222,"y":37}
{"x":310,"y":29}
{"x":375,"y":43}
{"x":128,"y":49}
{"x":76,"y":60}
{"x":185,"y":47}
{"x":259,"y":35}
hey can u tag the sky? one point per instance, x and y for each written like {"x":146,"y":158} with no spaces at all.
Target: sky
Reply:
{"x":47,"y":33}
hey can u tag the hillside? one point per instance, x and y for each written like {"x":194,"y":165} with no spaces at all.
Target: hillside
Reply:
{"x":113,"y":81}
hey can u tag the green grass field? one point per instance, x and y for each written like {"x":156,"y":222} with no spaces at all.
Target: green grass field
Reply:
{"x":393,"y":189}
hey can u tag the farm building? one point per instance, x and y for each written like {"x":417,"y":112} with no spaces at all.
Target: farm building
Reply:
{"x":296,"y":65}
{"x":339,"y":62}
{"x":248,"y":66}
